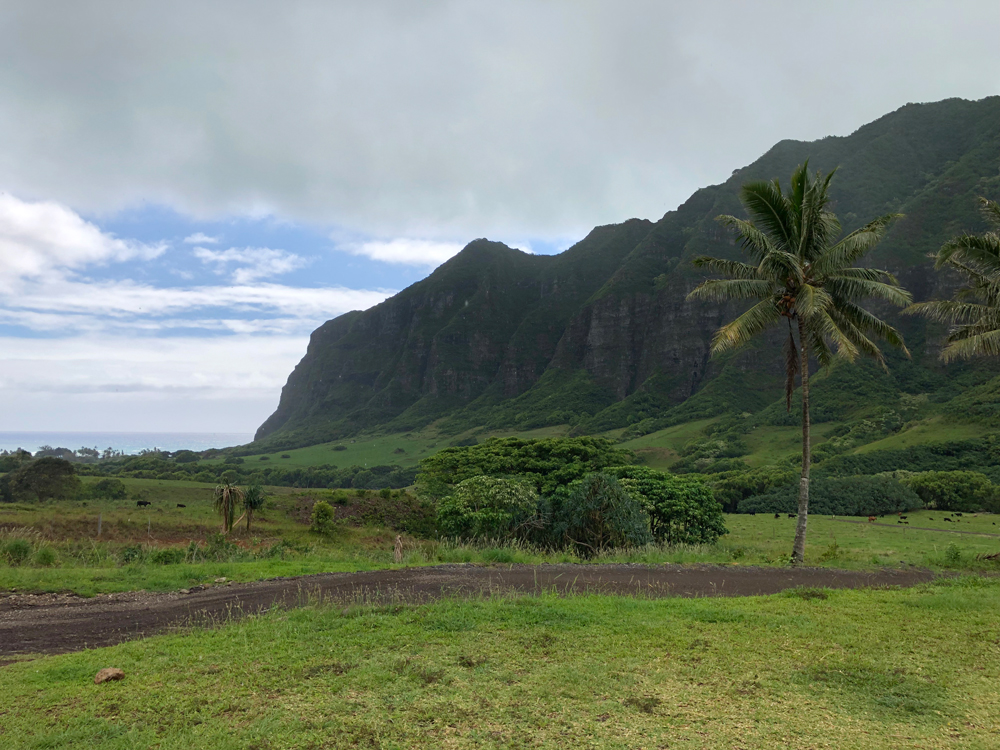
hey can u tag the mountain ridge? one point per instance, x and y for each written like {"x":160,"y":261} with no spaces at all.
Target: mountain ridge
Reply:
{"x":601,"y":336}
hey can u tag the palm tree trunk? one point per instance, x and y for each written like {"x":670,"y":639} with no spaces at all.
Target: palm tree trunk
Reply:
{"x":799,"y":547}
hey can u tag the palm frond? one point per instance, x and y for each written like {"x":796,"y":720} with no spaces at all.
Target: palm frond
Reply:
{"x":781,"y":265}
{"x":770,"y":211}
{"x":990,"y":211}
{"x":846,"y":288}
{"x":977,"y":345}
{"x":980,"y":249}
{"x":754,"y":242}
{"x":757,"y":319}
{"x":952,"y":311}
{"x":731,"y":268}
{"x":811,"y":300}
{"x":854,"y":246}
{"x":870,"y":323}
{"x":722,"y":290}
{"x":827,"y":328}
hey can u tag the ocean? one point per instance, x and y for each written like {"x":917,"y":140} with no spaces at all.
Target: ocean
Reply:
{"x":129,"y":442}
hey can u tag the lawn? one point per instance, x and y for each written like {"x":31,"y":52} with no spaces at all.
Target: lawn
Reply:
{"x":809,"y":668}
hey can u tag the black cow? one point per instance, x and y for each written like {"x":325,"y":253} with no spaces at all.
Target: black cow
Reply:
{"x":777,"y":515}
{"x":142,"y":503}
{"x":181,"y":505}
{"x":791,"y":515}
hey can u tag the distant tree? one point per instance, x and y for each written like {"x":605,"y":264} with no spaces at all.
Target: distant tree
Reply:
{"x":682,"y":510}
{"x":801,"y":274}
{"x":954,"y":490}
{"x":974,"y":312}
{"x":43,"y":479}
{"x":596,"y":513}
{"x":489,"y":508}
{"x":111,"y":489}
{"x":254,"y":497}
{"x":227,"y":498}
{"x":547,"y":463}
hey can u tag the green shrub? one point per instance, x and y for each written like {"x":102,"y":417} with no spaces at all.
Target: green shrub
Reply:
{"x":489,"y":508}
{"x":547,"y":463}
{"x":682,"y":510}
{"x":45,"y":556}
{"x":168,"y":556}
{"x":322,"y":517}
{"x":110,"y":489}
{"x":953,"y":555}
{"x":16,"y":551}
{"x":132,"y":554}
{"x":733,"y":487}
{"x":964,"y":491}
{"x":838,"y":496}
{"x":594,"y":514}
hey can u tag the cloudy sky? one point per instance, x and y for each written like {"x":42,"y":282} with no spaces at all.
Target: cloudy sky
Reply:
{"x":187,"y":189}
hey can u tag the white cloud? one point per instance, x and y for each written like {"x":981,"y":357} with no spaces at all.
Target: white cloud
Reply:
{"x":44,"y":238}
{"x":200,"y":238}
{"x":112,"y":304}
{"x":436,"y":119}
{"x":185,"y":383}
{"x":407,"y":251}
{"x":259,"y":262}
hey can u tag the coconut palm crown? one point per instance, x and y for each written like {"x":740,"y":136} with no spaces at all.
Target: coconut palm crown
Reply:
{"x":974,"y":313}
{"x":801,"y":273}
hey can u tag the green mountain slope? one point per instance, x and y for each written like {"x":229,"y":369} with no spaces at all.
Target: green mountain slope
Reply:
{"x":600,"y":337}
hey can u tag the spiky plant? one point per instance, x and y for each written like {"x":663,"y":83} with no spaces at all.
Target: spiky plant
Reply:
{"x":974,"y":312}
{"x":254,"y":497}
{"x":801,"y":274}
{"x":227,"y":498}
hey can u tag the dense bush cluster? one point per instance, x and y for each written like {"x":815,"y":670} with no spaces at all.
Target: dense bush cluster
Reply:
{"x":838,"y":496}
{"x":547,"y":464}
{"x":545,"y":495}
{"x":965,"y":491}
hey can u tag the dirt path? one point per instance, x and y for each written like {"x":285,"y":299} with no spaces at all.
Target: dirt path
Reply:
{"x":917,"y":528}
{"x":55,"y":623}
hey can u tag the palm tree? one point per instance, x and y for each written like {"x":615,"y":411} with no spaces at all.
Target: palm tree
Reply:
{"x":253,"y":500}
{"x":227,"y":497}
{"x":974,"y":313}
{"x":801,"y":273}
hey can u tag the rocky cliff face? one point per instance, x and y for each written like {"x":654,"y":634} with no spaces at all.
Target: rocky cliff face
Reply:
{"x":602,"y":334}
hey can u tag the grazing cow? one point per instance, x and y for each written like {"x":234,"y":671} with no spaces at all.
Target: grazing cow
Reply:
{"x":181,"y":505}
{"x":777,"y":515}
{"x":752,"y":513}
{"x":871,"y":519}
{"x":142,"y":503}
{"x":904,"y":517}
{"x":791,"y":515}
{"x":959,"y":515}
{"x":947,"y":519}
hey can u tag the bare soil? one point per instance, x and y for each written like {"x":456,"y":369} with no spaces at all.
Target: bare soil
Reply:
{"x":57,"y":623}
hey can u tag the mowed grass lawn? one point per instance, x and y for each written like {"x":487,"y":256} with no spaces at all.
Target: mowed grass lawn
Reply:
{"x":807,"y":669}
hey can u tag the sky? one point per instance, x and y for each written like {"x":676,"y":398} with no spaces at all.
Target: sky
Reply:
{"x":188,"y":189}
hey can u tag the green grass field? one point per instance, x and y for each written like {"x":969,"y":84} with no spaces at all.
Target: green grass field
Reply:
{"x":803,"y":669}
{"x":68,"y":555}
{"x":405,"y":449}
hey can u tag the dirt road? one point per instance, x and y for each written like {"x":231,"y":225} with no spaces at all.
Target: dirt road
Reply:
{"x":55,"y":623}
